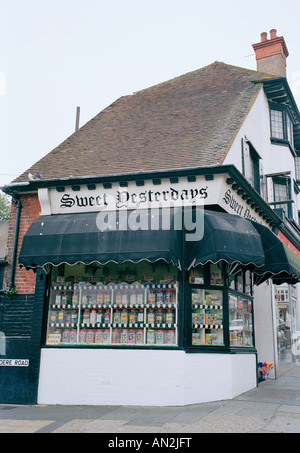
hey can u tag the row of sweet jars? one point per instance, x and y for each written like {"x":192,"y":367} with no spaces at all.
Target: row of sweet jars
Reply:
{"x":116,"y":336}
{"x":94,"y":295}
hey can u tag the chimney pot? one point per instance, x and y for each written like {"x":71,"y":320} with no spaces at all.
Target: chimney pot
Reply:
{"x":271,"y":54}
{"x":263,"y":36}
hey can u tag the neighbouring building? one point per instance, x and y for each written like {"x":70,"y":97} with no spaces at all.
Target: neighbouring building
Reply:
{"x":153,"y":243}
{"x":4,"y":224}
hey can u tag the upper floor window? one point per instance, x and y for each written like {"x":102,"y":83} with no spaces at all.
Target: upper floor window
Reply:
{"x":289,"y":127}
{"x":297,"y":167}
{"x":251,"y":170}
{"x":254,"y":176}
{"x":281,"y":125}
{"x":282,"y":194}
{"x":277,"y":124}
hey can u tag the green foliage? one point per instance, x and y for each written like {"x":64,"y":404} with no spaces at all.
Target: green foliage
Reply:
{"x":4,"y":206}
{"x":10,"y":292}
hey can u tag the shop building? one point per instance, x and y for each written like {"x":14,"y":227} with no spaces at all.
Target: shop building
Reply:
{"x":149,"y":243}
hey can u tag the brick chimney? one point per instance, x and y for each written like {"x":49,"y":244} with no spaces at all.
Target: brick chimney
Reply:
{"x":271,"y":54}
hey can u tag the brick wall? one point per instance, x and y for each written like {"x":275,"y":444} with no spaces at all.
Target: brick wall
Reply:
{"x":21,"y":318}
{"x":24,"y":280}
{"x":16,"y":315}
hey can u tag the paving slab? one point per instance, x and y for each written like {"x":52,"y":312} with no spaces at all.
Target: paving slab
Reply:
{"x":283,"y":423}
{"x":272,"y":407}
{"x":289,"y":408}
{"x":22,"y":426}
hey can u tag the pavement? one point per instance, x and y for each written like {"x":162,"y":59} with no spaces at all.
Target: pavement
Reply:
{"x":272,"y":407}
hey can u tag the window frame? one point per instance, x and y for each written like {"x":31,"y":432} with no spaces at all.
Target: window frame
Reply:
{"x":273,"y":126}
{"x":297,"y":167}
{"x":286,"y":121}
{"x":54,"y":285}
{"x":251,"y":165}
{"x":227,"y":290}
{"x":286,"y":182}
{"x":254,"y":159}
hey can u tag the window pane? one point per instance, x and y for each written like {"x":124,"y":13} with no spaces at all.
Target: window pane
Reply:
{"x":277,"y":124}
{"x":281,"y":194}
{"x":216,"y":277}
{"x":197,"y":275}
{"x":207,"y":317}
{"x":240,"y":321}
{"x":289,"y":125}
{"x":248,"y":283}
{"x":252,"y":173}
{"x":297,"y":166}
{"x":105,"y":309}
{"x":251,"y":176}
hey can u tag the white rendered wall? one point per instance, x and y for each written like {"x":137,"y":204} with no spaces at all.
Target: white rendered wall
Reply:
{"x":274,"y":159}
{"x":142,"y":377}
{"x":256,"y":129}
{"x":265,"y":329}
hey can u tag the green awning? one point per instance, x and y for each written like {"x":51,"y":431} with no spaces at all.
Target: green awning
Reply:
{"x":282,"y":265}
{"x":226,"y":237}
{"x":73,"y":238}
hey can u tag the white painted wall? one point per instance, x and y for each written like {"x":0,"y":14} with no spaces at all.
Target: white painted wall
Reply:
{"x":142,"y":377}
{"x":265,"y":334}
{"x":274,"y":159}
{"x":256,"y":128}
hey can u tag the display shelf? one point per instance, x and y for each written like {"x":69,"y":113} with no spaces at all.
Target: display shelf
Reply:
{"x":208,"y":306}
{"x":207,"y":326}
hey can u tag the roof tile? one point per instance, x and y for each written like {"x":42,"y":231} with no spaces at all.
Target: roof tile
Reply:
{"x":185,"y":122}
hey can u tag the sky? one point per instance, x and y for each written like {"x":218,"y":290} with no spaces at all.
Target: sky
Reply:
{"x":56,"y":55}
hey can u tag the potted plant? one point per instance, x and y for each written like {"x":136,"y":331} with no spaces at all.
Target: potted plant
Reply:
{"x":263,"y":369}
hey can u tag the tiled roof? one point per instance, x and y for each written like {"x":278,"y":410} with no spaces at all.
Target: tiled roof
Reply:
{"x":185,"y":122}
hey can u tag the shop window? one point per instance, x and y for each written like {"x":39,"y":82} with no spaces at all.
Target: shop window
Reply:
{"x":113,"y":305}
{"x":240,"y":309}
{"x":241,"y":281}
{"x":211,"y":274}
{"x":221,"y":306}
{"x":197,"y":276}
{"x":240,"y":321}
{"x":248,"y":283}
{"x":207,"y":305}
{"x":216,"y":274}
{"x":207,"y":317}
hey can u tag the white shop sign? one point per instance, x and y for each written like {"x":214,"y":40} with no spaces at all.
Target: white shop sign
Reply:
{"x":184,"y":193}
{"x":166,"y":194}
{"x":14,"y":362}
{"x":234,"y":204}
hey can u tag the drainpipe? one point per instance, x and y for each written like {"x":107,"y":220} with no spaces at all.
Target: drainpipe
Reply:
{"x":17,"y":201}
